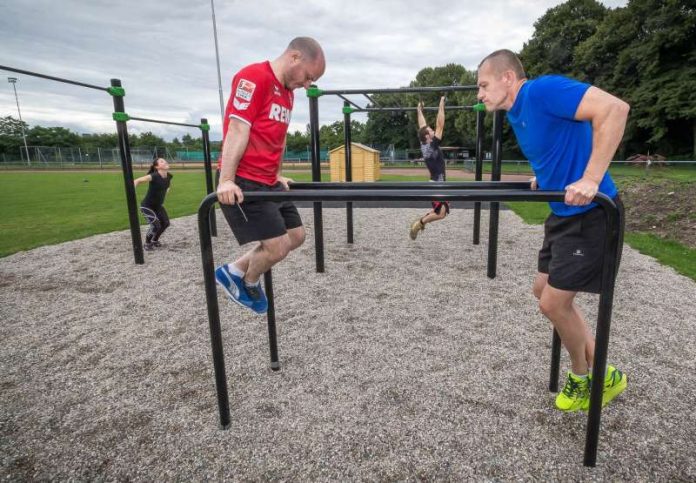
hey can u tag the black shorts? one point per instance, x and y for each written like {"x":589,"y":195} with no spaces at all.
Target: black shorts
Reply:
{"x":438,"y":205}
{"x":266,"y":219}
{"x":573,"y":250}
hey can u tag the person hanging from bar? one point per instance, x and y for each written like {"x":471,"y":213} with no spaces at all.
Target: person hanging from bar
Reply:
{"x":257,"y":115}
{"x":569,"y":132}
{"x":152,"y":206}
{"x":435,"y":161}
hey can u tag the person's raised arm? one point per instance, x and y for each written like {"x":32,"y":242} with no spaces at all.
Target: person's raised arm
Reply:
{"x":440,"y":122}
{"x":143,"y":179}
{"x":608,"y":115}
{"x":421,"y":117}
{"x":233,"y":149}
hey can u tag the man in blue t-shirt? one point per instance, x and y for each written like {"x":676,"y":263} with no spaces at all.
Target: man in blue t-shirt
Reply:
{"x":435,"y":161}
{"x":569,"y":131}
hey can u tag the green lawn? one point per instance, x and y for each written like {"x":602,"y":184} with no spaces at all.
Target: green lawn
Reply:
{"x":667,"y":252}
{"x":44,"y":208}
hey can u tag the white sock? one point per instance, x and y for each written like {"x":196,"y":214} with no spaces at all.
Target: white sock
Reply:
{"x":255,"y":284}
{"x":232,"y":268}
{"x":581,"y":376}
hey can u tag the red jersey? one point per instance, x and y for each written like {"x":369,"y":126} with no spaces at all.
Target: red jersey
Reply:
{"x":263,"y":102}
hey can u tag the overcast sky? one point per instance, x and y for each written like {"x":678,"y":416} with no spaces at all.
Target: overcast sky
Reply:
{"x":164,"y":52}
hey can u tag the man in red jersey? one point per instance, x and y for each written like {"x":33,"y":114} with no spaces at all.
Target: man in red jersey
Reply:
{"x":257,"y":115}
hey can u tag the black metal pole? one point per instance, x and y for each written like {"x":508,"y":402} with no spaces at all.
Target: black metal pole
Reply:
{"x":207,"y":163}
{"x":316,"y":177}
{"x":272,"y":337}
{"x":555,"y":361}
{"x":494,"y":210}
{"x":606,"y":299}
{"x":349,"y":168}
{"x":478,"y":175}
{"x":127,"y":167}
{"x":213,"y":309}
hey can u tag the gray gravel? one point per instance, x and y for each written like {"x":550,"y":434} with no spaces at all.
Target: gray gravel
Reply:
{"x":401,"y":362}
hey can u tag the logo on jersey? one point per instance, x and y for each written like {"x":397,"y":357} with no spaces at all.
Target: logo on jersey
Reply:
{"x":240,"y":106}
{"x":279,"y":113}
{"x":245,"y":90}
{"x":276,"y":90}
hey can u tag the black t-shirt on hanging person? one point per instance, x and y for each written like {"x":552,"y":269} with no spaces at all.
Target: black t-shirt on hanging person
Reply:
{"x":434,"y":159}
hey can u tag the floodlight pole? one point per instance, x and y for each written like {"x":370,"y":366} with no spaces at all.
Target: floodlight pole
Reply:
{"x":217,"y":61}
{"x":13,"y":81}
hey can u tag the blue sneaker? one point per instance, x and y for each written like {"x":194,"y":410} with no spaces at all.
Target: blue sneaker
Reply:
{"x":233,"y":285}
{"x":255,"y":292}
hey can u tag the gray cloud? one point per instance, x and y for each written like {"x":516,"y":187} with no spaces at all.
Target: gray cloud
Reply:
{"x":163,"y":51}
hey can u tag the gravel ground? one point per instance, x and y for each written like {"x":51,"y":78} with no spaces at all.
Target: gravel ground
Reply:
{"x":401,"y":362}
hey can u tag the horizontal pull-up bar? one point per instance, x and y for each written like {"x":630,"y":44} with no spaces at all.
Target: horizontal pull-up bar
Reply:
{"x":158,"y":121}
{"x":57,"y":79}
{"x":475,"y":107}
{"x":316,"y":92}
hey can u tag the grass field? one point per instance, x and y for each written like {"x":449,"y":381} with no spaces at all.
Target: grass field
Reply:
{"x":44,"y":208}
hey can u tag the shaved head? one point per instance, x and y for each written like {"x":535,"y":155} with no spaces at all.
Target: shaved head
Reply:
{"x":502,"y":60}
{"x":309,"y":48}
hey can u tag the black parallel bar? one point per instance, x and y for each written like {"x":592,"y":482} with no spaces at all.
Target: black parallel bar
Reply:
{"x":270,"y":315}
{"x":371,"y":100}
{"x":316,"y":177}
{"x":207,"y":163}
{"x":491,"y":195}
{"x":399,"y":90}
{"x":494,"y":210}
{"x":213,"y":309}
{"x":413,"y":185}
{"x":158,"y":121}
{"x":349,"y":172}
{"x":58,"y":79}
{"x":127,"y":167}
{"x":606,"y":300}
{"x":404,"y":109}
{"x":478,"y":176}
{"x":555,"y":361}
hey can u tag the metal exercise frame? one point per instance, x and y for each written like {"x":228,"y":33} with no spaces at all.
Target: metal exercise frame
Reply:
{"x":117,"y":91}
{"x":479,"y":192}
{"x":349,"y":107}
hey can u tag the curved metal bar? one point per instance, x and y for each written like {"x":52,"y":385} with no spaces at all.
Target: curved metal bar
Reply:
{"x":491,"y":195}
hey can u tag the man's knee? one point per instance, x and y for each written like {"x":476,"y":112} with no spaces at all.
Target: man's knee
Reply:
{"x":297,"y":237}
{"x":277,"y":248}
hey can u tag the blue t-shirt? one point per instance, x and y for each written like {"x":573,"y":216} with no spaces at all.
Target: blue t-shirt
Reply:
{"x":557,"y":146}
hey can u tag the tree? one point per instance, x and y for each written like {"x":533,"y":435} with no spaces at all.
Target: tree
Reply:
{"x":646,"y":54}
{"x":52,"y":136}
{"x":11,"y":139}
{"x":556,"y":35}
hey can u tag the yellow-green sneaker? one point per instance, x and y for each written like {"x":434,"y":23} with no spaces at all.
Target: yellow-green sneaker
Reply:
{"x":615,"y":382}
{"x":575,"y":395}
{"x":416,"y":226}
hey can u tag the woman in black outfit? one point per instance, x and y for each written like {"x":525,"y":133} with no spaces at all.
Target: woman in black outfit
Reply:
{"x":152,"y":205}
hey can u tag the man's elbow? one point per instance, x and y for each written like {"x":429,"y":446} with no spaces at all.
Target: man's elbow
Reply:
{"x":621,"y":108}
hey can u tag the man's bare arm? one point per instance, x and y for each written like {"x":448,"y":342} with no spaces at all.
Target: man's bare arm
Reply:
{"x":232,"y":151}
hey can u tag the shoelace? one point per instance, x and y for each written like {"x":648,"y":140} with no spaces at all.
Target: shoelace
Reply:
{"x":572,"y":388}
{"x":253,"y":291}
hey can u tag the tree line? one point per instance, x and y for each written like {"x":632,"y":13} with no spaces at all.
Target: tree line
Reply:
{"x":644,"y":53}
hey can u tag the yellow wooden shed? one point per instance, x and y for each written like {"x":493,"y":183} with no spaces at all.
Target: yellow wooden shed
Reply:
{"x":364,"y":163}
